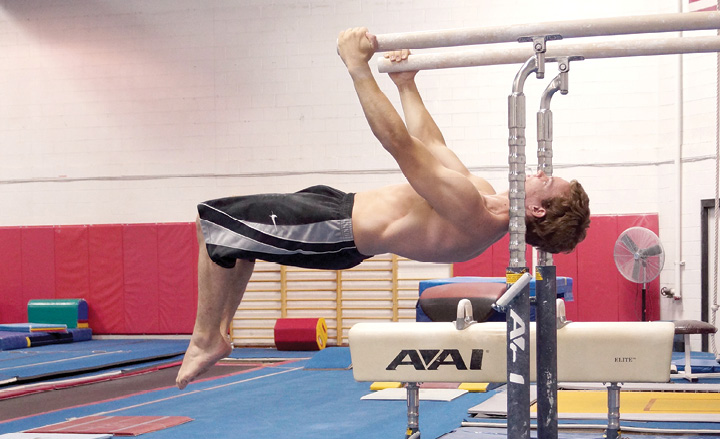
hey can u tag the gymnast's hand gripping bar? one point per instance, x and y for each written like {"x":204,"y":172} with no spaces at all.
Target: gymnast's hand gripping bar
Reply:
{"x":639,"y":24}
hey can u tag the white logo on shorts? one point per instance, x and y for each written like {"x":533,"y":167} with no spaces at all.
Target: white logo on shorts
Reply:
{"x":272,"y":217}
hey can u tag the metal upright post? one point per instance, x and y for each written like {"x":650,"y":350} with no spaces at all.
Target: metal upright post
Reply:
{"x":546,"y":280}
{"x":413,"y":411}
{"x":613,"y":429}
{"x":545,"y":290}
{"x":518,"y":314}
{"x":546,"y":349}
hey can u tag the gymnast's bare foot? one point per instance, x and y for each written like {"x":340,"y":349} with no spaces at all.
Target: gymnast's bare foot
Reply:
{"x":200,"y":356}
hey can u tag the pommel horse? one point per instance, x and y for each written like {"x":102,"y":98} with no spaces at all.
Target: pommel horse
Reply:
{"x":466,"y":351}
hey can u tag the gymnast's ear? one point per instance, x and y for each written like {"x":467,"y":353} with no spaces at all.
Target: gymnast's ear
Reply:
{"x":536,"y":211}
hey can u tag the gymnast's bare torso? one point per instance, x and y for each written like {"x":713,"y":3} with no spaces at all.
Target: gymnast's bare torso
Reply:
{"x":396,"y":219}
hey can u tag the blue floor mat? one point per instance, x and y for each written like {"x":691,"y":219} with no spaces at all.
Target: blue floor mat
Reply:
{"x":283,"y":400}
{"x":276,"y":401}
{"x":674,"y":425}
{"x":501,"y":433}
{"x":271,"y":402}
{"x":269,"y":353}
{"x":701,"y":362}
{"x":24,"y":365}
{"x":330,"y":359}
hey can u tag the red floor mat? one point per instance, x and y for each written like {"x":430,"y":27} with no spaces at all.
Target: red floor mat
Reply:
{"x":117,"y":425}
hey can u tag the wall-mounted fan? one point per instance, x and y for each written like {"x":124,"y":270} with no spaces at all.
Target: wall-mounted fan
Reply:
{"x":639,"y":256}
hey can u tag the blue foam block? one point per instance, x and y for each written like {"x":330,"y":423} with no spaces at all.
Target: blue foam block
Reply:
{"x":13,"y":340}
{"x":81,"y":334}
{"x":32,"y":327}
{"x":564,"y":284}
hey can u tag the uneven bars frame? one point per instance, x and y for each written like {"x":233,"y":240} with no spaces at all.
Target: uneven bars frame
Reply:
{"x":517,"y":55}
{"x":637,"y":24}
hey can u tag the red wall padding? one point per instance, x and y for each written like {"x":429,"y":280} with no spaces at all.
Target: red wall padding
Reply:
{"x":72,"y":269}
{"x":38,"y":263}
{"x":137,"y":279}
{"x":600,"y":292}
{"x":141,"y":278}
{"x":12,"y":307}
{"x":177,"y":277}
{"x":106,"y":304}
{"x":597,"y":277}
{"x":492,"y":263}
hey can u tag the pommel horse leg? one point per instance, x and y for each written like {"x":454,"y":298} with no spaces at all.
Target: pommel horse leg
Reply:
{"x":613,"y":429}
{"x":413,"y":411}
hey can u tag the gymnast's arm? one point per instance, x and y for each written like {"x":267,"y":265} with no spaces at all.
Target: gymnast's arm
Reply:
{"x":417,"y":118}
{"x":451,"y":193}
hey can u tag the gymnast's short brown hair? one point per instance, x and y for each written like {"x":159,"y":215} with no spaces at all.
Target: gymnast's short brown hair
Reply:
{"x":565,"y":222}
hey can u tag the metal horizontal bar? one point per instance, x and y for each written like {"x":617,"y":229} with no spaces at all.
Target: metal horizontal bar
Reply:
{"x":637,"y":24}
{"x":518,"y":55}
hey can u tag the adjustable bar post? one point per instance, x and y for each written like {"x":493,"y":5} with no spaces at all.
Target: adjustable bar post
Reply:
{"x":546,"y":276}
{"x":518,"y":315}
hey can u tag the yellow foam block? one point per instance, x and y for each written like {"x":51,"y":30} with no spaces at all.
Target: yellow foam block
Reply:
{"x":570,"y":401}
{"x":380,"y":385}
{"x":474,"y":387}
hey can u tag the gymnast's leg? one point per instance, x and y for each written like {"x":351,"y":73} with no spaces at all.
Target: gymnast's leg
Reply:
{"x":220,"y":291}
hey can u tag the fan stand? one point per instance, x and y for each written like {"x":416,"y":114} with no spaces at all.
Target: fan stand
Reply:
{"x":644,"y":306}
{"x":639,"y":256}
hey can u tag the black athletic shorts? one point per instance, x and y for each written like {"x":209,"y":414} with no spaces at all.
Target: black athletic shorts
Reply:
{"x":311,"y":228}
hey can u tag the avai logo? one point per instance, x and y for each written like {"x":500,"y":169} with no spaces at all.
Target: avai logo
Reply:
{"x":517,"y":342}
{"x":432,"y":359}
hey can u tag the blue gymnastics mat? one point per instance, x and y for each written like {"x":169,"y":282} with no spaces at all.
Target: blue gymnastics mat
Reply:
{"x":273,"y":401}
{"x":265,"y":353}
{"x":648,"y":427}
{"x":701,"y":362}
{"x":332,"y":358}
{"x":31,"y":364}
{"x":501,"y":433}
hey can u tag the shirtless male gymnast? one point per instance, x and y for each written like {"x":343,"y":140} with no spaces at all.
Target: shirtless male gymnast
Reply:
{"x":443,"y":213}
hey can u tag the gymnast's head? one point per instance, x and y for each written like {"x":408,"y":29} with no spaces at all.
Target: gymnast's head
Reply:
{"x":557,"y":213}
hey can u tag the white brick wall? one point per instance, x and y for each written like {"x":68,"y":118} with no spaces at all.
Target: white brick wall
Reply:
{"x":132,"y":111}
